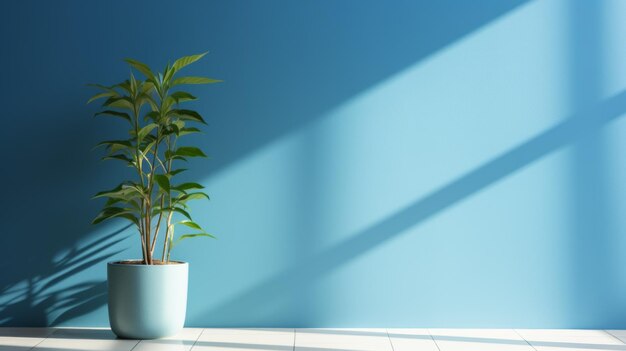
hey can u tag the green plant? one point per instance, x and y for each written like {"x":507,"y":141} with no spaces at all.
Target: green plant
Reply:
{"x":152,"y":109}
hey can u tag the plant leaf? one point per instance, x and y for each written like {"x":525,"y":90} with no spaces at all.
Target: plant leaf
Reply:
{"x":189,"y":151}
{"x":181,"y":96}
{"x":172,"y":209}
{"x":176,"y":171}
{"x":171,"y":156}
{"x":119,"y":157}
{"x":163,"y":182}
{"x":115,"y":114}
{"x":115,"y":145}
{"x":191,"y":224}
{"x":143,"y":132}
{"x":186,"y":236}
{"x":194,"y":80}
{"x":181,"y":211}
{"x":112,"y":212}
{"x":102,"y":95}
{"x":107,"y":192}
{"x":187,"y":186}
{"x":153,"y":115}
{"x":188,"y":115}
{"x":189,"y":130}
{"x":133,"y":83}
{"x":147,"y":87}
{"x":185,"y":61}
{"x":103,"y":87}
{"x":121,"y":192}
{"x":119,"y":102}
{"x":141,"y":67}
{"x":192,"y":196}
{"x":125,"y":85}
{"x":151,"y":101}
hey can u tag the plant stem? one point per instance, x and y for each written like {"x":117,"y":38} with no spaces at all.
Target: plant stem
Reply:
{"x":147,"y":233}
{"x":139,"y":163}
{"x":167,"y":240}
{"x":156,"y":231}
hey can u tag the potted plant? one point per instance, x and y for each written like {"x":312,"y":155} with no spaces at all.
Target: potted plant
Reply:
{"x":148,"y":296}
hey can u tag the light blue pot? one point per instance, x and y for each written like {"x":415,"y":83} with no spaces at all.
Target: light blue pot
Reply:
{"x":147,"y":301}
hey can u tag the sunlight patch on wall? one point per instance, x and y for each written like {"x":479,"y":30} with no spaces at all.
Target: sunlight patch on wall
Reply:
{"x":482,"y":108}
{"x":431,"y":123}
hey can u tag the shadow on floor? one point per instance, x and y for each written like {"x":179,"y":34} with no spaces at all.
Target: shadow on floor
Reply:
{"x":106,"y":334}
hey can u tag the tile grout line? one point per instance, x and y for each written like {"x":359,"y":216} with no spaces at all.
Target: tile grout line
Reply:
{"x":44,"y":339}
{"x":523,"y":338}
{"x":433,"y":339}
{"x":294,"y":338}
{"x":198,"y":338}
{"x":136,"y":344}
{"x":39,"y":343}
{"x":614,"y":337}
{"x":388,"y":337}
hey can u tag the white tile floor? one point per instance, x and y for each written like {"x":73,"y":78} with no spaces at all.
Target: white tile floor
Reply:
{"x":377,"y":339}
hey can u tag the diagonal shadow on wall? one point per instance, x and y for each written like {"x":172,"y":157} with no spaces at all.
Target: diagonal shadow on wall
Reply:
{"x":335,"y":62}
{"x":351,"y":61}
{"x":46,"y":216}
{"x":572,"y":129}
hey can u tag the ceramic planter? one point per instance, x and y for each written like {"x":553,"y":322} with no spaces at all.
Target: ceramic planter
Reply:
{"x":147,"y":301}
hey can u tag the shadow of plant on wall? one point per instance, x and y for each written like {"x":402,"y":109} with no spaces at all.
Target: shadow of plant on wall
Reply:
{"x":52,"y":249}
{"x":48,"y":297}
{"x":347,"y":57}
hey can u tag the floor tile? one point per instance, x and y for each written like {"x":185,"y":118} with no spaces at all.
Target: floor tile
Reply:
{"x":342,"y":339}
{"x":411,"y":340}
{"x":255,"y":339}
{"x":620,"y":334}
{"x":479,"y":340}
{"x":549,"y":334}
{"x":245,"y":339}
{"x":181,"y":342}
{"x":86,"y":339}
{"x":22,"y":338}
{"x":571,"y":340}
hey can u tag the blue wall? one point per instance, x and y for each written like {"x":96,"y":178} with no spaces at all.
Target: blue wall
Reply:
{"x":444,"y":163}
